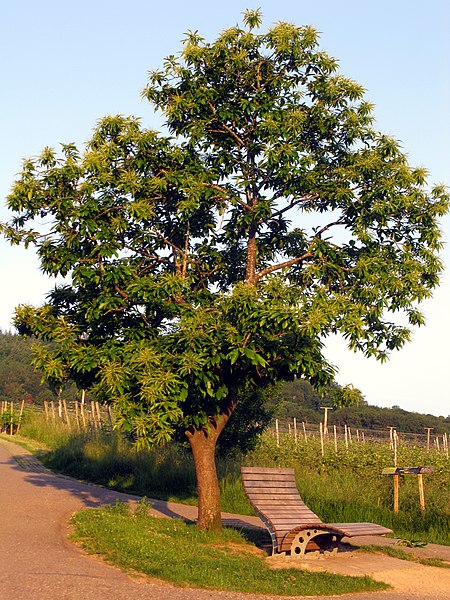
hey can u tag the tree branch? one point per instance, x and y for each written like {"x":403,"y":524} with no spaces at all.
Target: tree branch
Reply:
{"x":293,"y":203}
{"x":287,"y":263}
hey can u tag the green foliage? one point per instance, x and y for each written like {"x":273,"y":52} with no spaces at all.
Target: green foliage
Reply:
{"x":213,"y":263}
{"x":174,"y":551}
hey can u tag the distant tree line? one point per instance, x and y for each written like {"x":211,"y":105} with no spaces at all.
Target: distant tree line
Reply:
{"x":18,"y":380}
{"x":298,"y":399}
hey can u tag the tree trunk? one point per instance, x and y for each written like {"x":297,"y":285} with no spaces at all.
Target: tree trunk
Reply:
{"x":203,"y":445}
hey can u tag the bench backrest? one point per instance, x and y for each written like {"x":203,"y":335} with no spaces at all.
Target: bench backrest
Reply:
{"x":273,"y":494}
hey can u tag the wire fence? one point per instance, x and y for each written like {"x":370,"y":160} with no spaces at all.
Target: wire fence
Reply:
{"x":83,"y":416}
{"x":301,"y":430}
{"x":77,"y":416}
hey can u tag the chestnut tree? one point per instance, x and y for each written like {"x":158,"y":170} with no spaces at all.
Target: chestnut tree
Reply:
{"x":203,"y":267}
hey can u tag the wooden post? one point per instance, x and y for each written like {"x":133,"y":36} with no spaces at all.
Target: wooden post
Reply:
{"x":277,"y":432}
{"x":395,"y":447}
{"x":46,"y":410}
{"x":20,"y":415}
{"x":391,"y":437}
{"x":66,"y":414}
{"x":52,"y":406}
{"x":428,"y":430}
{"x":321,"y":438}
{"x":295,"y":430}
{"x":325,"y":419}
{"x":11,"y":427}
{"x":304,"y":432}
{"x":83,"y":416}
{"x":346,"y":436}
{"x":335,"y":439}
{"x":421,"y":494}
{"x":99,"y":415}
{"x":396,"y":490}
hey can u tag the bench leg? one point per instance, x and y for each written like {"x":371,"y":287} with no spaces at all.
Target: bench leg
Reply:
{"x":314,"y":540}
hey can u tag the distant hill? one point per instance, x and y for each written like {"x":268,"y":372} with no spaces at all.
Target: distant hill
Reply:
{"x":18,"y":379}
{"x":298,"y":399}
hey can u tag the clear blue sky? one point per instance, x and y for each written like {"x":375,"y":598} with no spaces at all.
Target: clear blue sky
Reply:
{"x":64,"y":65}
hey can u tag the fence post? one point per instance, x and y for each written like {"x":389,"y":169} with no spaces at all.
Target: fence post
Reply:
{"x":321,"y":438}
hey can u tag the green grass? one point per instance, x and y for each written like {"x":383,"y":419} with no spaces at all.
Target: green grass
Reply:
{"x":346,"y":486}
{"x":396,"y":552}
{"x":174,"y":551}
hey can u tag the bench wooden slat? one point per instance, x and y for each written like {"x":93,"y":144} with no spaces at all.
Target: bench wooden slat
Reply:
{"x":269,"y":476}
{"x":262,"y":484}
{"x":263,"y":470}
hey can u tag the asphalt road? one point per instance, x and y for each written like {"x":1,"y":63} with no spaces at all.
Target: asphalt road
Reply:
{"x":38,"y":562}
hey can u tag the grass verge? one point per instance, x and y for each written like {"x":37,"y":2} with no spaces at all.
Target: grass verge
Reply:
{"x":396,"y":552}
{"x":174,"y":551}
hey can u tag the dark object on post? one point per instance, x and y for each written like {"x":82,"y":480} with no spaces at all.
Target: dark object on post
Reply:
{"x":407,"y":470}
{"x":419,"y":471}
{"x":293,"y":527}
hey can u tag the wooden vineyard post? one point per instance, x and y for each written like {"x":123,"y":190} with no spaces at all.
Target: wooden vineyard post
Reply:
{"x":391,"y":437}
{"x":397,"y":471}
{"x":99,"y":415}
{"x":11,"y":419}
{"x":66,"y":414}
{"x":325,"y":419}
{"x":277,"y":433}
{"x":304,"y":432}
{"x":335,"y":439}
{"x":20,"y":414}
{"x":395,"y":446}
{"x":321,"y":438}
{"x":295,"y":430}
{"x":428,"y":430}
{"x":83,"y":416}
{"x":46,"y":410}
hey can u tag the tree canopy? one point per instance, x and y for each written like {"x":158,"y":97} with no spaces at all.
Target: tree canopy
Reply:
{"x":204,"y":266}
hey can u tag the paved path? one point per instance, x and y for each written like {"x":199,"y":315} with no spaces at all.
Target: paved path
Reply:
{"x":38,"y":562}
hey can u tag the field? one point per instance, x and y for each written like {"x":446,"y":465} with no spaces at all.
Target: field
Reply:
{"x":341,"y":483}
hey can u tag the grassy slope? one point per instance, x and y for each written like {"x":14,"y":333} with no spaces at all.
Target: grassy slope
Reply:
{"x":174,"y":551}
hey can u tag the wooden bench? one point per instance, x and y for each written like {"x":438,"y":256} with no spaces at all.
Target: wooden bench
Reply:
{"x":293,"y":527}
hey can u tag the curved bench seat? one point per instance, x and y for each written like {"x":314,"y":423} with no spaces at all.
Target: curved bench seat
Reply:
{"x":294,"y":528}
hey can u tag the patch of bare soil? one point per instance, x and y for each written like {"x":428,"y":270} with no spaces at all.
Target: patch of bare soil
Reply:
{"x":405,"y":577}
